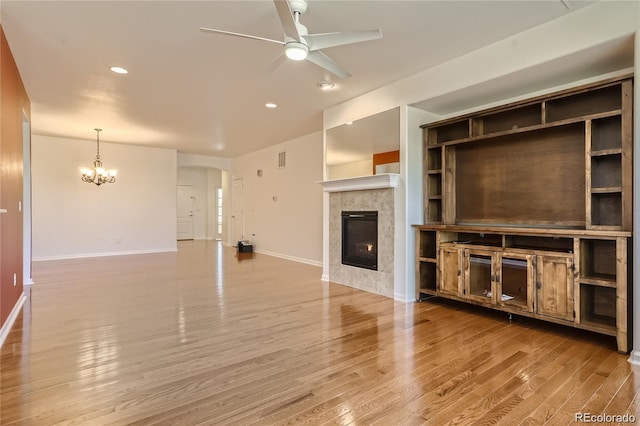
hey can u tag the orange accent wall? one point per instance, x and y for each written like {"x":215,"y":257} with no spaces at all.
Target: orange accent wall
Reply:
{"x":13,"y":101}
{"x":385,"y":158}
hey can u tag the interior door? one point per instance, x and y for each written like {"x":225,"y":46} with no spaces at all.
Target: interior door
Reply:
{"x":185,"y":212}
{"x":237,"y":210}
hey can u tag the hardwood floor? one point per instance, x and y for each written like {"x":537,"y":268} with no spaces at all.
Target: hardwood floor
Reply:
{"x":205,"y":337}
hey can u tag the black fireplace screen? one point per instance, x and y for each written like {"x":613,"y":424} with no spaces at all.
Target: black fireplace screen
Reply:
{"x":360,"y":239}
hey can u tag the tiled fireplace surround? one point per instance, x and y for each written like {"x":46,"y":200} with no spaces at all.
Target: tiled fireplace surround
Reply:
{"x":370,"y":193}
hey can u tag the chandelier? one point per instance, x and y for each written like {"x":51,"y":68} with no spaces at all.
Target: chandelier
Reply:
{"x":98,"y":174}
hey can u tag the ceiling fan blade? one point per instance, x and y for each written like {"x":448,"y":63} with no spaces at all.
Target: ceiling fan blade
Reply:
{"x":275,"y":64}
{"x":209,"y":30}
{"x":325,"y":40}
{"x":286,"y":19}
{"x":327,"y":63}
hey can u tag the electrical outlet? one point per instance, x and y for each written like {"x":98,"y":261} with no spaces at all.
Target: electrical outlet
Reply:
{"x":15,"y":280}
{"x":119,"y":240}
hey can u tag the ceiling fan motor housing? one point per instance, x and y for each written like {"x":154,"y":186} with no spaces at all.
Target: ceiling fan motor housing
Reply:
{"x":299,"y":6}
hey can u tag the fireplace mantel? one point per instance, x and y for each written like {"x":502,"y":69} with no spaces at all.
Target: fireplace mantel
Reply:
{"x":383,"y":180}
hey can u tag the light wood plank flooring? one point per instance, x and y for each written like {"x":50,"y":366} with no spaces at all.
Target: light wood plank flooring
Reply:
{"x":206,"y":337}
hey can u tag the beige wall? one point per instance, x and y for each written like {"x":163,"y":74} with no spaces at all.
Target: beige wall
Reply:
{"x":348,"y":170}
{"x":71,"y":218}
{"x":283,"y":208}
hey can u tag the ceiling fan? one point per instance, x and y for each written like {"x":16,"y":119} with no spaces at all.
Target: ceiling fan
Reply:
{"x":299,"y":44}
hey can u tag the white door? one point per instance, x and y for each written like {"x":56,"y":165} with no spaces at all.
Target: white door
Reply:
{"x":185,"y":212}
{"x":237,"y":210}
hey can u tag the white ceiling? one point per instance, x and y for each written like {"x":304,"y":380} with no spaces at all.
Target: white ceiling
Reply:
{"x":204,"y":94}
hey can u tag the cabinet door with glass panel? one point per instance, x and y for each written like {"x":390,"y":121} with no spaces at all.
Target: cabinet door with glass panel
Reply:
{"x":479,"y":275}
{"x":515,"y":279}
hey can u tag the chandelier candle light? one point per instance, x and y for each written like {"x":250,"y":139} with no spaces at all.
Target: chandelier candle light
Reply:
{"x":98,"y":174}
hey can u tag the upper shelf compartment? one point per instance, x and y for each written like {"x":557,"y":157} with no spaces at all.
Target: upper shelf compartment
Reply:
{"x":605,"y":99}
{"x":448,"y":132}
{"x":566,"y":107}
{"x":513,"y":119}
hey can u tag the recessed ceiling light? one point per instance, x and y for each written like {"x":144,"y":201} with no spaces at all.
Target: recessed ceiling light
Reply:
{"x":119,"y":70}
{"x":326,"y":85}
{"x":270,"y":105}
{"x":349,"y":123}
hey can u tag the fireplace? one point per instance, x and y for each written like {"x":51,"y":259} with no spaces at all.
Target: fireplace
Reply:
{"x":360,"y":239}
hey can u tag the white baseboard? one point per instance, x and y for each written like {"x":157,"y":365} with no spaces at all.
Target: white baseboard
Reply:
{"x":293,"y":258}
{"x":401,"y":298}
{"x":6,"y":328}
{"x":634,"y":358}
{"x":110,"y":253}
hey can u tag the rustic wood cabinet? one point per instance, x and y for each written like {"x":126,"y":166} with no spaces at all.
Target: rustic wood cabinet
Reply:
{"x":528,"y":208}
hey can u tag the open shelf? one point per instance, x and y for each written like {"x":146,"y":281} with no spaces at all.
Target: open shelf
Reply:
{"x":434,"y":159}
{"x":598,"y":260}
{"x":427,"y":247}
{"x":554,"y":244}
{"x":525,"y":116}
{"x":608,"y":98}
{"x":448,"y":132}
{"x":606,"y":133}
{"x":434,"y":210}
{"x":606,"y":209}
{"x":598,"y":306}
{"x":606,"y":171}
{"x":494,"y":240}
{"x":427,"y":276}
{"x":434,"y":185}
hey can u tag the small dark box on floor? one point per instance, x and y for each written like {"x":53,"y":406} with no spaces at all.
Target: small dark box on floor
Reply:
{"x":245,"y":247}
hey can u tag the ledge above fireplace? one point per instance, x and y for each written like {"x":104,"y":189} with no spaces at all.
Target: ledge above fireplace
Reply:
{"x":384,"y":180}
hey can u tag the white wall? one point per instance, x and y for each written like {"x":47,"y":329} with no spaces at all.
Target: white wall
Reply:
{"x":283,"y":208}
{"x":204,"y":182}
{"x":353,"y":169}
{"x":71,"y":218}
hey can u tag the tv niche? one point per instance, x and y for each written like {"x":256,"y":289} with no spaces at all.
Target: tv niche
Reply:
{"x":360,"y":239}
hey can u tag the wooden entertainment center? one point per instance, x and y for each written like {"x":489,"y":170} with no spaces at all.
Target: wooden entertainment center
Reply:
{"x":528,"y":208}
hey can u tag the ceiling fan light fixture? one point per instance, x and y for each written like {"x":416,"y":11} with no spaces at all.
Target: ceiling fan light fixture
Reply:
{"x":119,"y":70}
{"x":296,"y":51}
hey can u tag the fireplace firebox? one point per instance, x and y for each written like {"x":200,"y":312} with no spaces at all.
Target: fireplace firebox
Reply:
{"x":360,"y":239}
